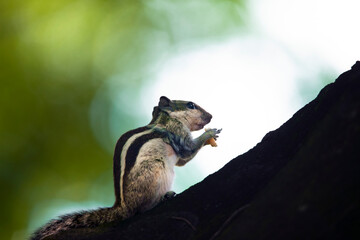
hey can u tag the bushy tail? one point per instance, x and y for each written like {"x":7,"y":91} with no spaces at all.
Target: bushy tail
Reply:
{"x":84,"y":219}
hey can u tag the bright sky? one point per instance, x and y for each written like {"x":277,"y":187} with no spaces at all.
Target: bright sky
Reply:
{"x":249,"y":82}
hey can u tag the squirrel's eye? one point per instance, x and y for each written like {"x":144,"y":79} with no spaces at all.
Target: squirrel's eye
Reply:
{"x":190,"y":105}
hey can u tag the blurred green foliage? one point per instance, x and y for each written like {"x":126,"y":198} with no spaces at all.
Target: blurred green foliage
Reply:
{"x":56,"y":60}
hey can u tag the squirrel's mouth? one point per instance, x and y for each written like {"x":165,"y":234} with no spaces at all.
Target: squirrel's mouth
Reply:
{"x":200,"y":125}
{"x":197,"y":126}
{"x":200,"y":122}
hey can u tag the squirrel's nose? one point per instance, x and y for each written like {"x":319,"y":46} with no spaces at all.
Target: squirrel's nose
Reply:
{"x":208,"y":117}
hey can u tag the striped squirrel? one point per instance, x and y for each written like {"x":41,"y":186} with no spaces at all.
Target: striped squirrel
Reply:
{"x":143,"y":165}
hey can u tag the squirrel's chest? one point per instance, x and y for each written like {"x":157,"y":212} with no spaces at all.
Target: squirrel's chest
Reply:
{"x":162,"y":159}
{"x":168,"y":176}
{"x":159,"y":151}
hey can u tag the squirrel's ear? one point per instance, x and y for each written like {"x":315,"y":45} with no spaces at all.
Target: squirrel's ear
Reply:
{"x":155,"y":114}
{"x":164,"y":102}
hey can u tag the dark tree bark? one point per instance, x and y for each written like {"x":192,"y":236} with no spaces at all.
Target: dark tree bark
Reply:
{"x":300,"y":182}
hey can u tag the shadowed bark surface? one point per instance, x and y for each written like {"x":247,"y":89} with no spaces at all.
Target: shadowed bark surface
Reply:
{"x":300,"y":182}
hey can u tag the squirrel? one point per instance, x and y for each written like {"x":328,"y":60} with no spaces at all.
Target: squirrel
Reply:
{"x":143,"y":165}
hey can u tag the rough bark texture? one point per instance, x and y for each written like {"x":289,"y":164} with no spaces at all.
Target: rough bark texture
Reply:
{"x":300,"y":182}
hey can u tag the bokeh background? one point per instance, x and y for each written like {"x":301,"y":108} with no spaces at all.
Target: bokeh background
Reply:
{"x":77,"y":74}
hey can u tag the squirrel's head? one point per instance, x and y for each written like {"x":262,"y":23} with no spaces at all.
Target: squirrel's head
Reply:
{"x":189,"y":113}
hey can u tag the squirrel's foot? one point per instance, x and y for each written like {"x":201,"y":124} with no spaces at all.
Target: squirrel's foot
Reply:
{"x":168,"y":196}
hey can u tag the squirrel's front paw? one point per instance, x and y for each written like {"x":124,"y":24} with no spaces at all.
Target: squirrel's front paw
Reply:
{"x":213,"y":132}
